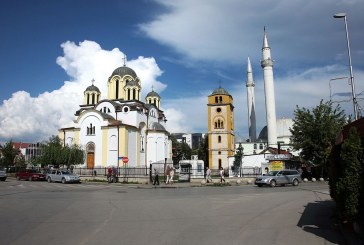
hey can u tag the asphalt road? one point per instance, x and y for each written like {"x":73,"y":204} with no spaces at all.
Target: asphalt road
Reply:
{"x":54,"y":213}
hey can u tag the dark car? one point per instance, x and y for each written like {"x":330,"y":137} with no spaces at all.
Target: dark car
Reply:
{"x":30,"y":174}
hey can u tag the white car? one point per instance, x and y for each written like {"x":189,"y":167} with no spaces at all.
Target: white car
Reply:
{"x":63,"y":176}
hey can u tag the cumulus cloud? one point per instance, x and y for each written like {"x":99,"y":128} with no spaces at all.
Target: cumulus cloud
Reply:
{"x":36,"y":118}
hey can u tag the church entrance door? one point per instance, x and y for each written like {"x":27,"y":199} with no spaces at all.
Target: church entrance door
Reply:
{"x":90,"y":148}
{"x":90,"y":160}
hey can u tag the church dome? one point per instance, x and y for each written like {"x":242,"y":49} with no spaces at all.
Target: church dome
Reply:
{"x":153,"y":94}
{"x":220,"y":90}
{"x":93,"y":88}
{"x":124,"y":70}
{"x":157,"y":126}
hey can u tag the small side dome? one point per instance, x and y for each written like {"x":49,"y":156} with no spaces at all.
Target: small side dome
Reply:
{"x":124,"y":70}
{"x":220,"y":90}
{"x":153,"y":94}
{"x":157,"y":126}
{"x":93,"y":88}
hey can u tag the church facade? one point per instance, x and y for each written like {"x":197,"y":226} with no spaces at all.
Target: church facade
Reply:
{"x":120,"y":129}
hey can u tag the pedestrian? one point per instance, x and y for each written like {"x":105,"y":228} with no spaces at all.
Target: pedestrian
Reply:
{"x":167,"y":173}
{"x":208,"y":175}
{"x":156,"y":177}
{"x":171,"y":174}
{"x":222,"y":178}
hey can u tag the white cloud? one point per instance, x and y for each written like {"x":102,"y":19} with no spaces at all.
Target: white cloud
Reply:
{"x":29,"y":118}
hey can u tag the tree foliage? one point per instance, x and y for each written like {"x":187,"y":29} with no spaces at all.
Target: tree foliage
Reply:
{"x":238,"y":156}
{"x":8,"y":154}
{"x":53,"y":153}
{"x":346,"y":184}
{"x":314,"y":132}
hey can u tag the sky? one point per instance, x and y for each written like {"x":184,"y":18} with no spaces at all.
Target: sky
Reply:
{"x":183,"y":49}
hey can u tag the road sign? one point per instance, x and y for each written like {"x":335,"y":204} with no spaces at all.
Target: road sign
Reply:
{"x":125,"y":159}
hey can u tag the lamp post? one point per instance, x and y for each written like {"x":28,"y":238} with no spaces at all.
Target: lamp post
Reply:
{"x":333,"y":79}
{"x":343,"y":15}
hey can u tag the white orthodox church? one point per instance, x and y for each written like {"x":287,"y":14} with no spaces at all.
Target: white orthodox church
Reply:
{"x":121,"y":129}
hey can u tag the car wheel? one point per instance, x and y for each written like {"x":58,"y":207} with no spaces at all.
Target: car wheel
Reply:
{"x":17,"y":178}
{"x":295,"y":182}
{"x":63,"y":181}
{"x":49,"y":179}
{"x":30,"y":178}
{"x":273,"y":183}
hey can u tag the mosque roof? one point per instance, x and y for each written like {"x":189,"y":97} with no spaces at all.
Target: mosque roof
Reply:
{"x":124,"y":70}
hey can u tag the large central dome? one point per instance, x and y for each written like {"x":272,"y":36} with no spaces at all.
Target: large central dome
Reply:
{"x":124,"y":70}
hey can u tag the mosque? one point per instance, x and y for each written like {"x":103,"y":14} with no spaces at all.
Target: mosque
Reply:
{"x":221,"y":134}
{"x":121,"y":129}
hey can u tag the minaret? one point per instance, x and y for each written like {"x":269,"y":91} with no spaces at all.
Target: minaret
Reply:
{"x":267,"y":65}
{"x":251,"y":103}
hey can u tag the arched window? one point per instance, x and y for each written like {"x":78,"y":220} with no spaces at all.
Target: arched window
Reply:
{"x":117,"y":89}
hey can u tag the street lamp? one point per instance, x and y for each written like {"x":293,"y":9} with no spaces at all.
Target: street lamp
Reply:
{"x":343,"y":15}
{"x":333,"y":79}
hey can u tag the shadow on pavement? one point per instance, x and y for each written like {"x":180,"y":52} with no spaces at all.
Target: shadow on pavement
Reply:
{"x":317,"y":218}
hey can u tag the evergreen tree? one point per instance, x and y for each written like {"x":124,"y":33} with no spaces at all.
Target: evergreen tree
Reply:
{"x":348,"y":185}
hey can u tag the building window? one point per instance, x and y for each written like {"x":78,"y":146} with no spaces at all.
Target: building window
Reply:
{"x":90,"y":130}
{"x":117,"y":89}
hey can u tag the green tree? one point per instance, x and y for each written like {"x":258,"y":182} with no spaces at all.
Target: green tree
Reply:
{"x":314,"y":132}
{"x":237,"y":158}
{"x":203,"y":150}
{"x":8,"y":154}
{"x":348,"y":185}
{"x":53,"y":153}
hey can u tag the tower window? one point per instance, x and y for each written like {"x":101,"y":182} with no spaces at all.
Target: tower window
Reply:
{"x":117,"y":89}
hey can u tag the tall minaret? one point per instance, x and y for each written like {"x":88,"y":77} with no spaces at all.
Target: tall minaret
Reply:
{"x":267,"y":65}
{"x":251,"y":103}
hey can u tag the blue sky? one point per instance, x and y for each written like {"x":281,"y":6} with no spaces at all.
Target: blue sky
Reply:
{"x":50,"y":51}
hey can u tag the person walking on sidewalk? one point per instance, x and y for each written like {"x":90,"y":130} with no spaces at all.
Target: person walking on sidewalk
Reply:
{"x":222,"y":178}
{"x":208,"y":175}
{"x":156,"y":177}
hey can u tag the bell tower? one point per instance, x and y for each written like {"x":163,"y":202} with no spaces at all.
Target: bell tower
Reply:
{"x":220,"y":128}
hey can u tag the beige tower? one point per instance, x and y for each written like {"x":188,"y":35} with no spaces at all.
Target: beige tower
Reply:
{"x":220,"y":128}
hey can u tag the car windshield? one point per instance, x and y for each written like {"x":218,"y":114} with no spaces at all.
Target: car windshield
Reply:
{"x":273,"y":173}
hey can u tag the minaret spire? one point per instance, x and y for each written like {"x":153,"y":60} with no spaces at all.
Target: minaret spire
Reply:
{"x":267,"y":65}
{"x":251,"y":103}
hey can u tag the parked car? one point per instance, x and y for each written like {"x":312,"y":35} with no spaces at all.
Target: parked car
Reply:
{"x":3,"y":174}
{"x":280,"y":177}
{"x":63,"y":176}
{"x":30,"y":174}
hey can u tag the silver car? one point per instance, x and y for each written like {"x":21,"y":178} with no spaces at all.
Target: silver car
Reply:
{"x":280,"y":177}
{"x":63,"y":176}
